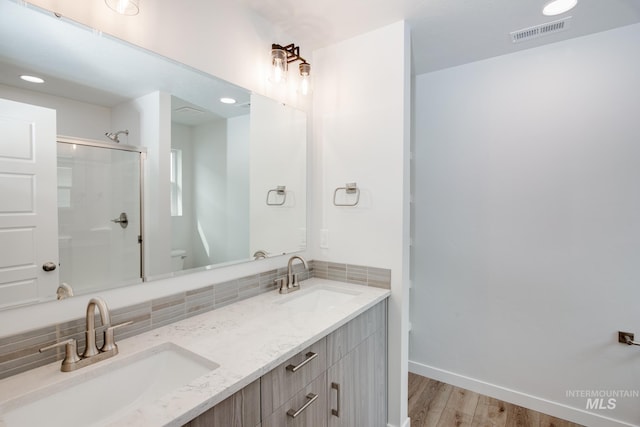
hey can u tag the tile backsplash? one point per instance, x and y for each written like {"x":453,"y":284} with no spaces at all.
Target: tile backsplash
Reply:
{"x":19,"y":353}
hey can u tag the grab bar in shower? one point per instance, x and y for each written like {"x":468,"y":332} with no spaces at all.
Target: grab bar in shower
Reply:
{"x":280,"y":191}
{"x":349,"y":188}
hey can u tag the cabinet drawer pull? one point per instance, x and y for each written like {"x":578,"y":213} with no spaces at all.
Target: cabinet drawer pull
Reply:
{"x":336,"y":387}
{"x":312,"y":398}
{"x":309,"y":357}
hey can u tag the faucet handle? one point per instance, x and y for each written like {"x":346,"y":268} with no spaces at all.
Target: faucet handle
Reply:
{"x":109,"y":340}
{"x":294,"y":282}
{"x":70,"y":353}
{"x":281,"y":283}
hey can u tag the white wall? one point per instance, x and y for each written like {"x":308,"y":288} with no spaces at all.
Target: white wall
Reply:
{"x":210,"y":192}
{"x":181,"y":226}
{"x":148,"y":119}
{"x":214,"y":226}
{"x":73,"y":118}
{"x":238,"y":187}
{"x":278,"y":158}
{"x":361,"y":134}
{"x":526,"y":229}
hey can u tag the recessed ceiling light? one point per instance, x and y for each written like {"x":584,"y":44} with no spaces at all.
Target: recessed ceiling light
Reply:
{"x":32,"y":79}
{"x":556,"y":7}
{"x":124,"y":7}
{"x":227,"y":100}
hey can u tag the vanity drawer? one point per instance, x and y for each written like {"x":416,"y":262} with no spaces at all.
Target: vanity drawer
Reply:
{"x":280,"y":384}
{"x":309,"y":406}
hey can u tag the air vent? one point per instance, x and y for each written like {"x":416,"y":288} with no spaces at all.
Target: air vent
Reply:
{"x":188,"y":110}
{"x":540,"y":30}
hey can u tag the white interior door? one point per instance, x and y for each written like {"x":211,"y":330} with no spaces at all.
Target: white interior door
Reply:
{"x":28,"y":208}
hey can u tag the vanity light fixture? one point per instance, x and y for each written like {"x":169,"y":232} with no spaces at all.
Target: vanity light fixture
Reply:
{"x":557,"y":7}
{"x":281,"y":57}
{"x":124,"y":7}
{"x":227,"y":100}
{"x":32,"y":79}
{"x":305,"y":78}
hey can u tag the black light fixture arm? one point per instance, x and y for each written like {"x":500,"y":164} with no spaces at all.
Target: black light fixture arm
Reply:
{"x":293,"y":52}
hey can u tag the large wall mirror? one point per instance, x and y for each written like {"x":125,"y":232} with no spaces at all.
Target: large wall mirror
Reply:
{"x":159,"y":169}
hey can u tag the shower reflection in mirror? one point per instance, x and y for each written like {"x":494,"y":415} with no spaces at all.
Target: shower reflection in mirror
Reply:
{"x":97,"y":183}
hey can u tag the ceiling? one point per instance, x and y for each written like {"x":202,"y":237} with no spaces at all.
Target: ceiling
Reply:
{"x":88,"y":66}
{"x":444,"y":33}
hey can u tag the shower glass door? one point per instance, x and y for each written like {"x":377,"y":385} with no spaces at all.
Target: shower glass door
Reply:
{"x":99,"y":226}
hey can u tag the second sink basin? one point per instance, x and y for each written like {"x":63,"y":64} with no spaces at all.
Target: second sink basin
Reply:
{"x":109,"y":392}
{"x":319,"y":298}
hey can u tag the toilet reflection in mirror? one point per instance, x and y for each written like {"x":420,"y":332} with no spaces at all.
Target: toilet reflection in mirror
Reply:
{"x":177,"y":259}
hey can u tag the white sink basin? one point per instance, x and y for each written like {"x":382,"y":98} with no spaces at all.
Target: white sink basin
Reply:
{"x":319,"y":299}
{"x":108,"y":393}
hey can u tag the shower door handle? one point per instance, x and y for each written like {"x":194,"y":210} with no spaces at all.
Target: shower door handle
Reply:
{"x":122,"y":220}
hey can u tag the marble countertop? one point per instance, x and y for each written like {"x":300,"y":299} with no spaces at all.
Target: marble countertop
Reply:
{"x":247,"y":339}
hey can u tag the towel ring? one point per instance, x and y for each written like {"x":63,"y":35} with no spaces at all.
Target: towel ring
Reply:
{"x":280,"y":191}
{"x":349,"y":188}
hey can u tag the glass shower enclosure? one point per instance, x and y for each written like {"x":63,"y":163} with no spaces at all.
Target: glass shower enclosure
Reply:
{"x":100,"y":226}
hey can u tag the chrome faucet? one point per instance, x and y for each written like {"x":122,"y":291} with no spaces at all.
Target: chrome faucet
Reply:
{"x":92,"y":354}
{"x":290,"y":282}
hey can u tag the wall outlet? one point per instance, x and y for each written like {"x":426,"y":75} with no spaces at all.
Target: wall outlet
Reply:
{"x":625,"y":337}
{"x":324,"y":238}
{"x":302,"y":232}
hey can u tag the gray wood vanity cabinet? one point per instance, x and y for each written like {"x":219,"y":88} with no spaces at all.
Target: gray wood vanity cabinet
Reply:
{"x":352,"y":392}
{"x":297,"y":387}
{"x":339,"y":381}
{"x":357,"y":372}
{"x":241,"y":409}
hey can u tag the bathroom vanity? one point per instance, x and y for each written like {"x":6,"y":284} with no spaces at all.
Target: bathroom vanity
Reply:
{"x":318,"y":354}
{"x":340,"y":380}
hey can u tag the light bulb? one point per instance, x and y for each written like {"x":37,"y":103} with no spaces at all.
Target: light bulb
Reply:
{"x":305,"y":78}
{"x":278,"y":65}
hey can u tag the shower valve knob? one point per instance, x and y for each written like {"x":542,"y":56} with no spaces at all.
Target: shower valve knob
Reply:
{"x":122,"y":220}
{"x":49,"y":266}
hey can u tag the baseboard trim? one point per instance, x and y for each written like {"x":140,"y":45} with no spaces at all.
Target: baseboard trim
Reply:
{"x":406,"y":423}
{"x":538,"y":404}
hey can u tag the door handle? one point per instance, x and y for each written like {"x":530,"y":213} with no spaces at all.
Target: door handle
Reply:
{"x":49,"y":266}
{"x":336,"y":387}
